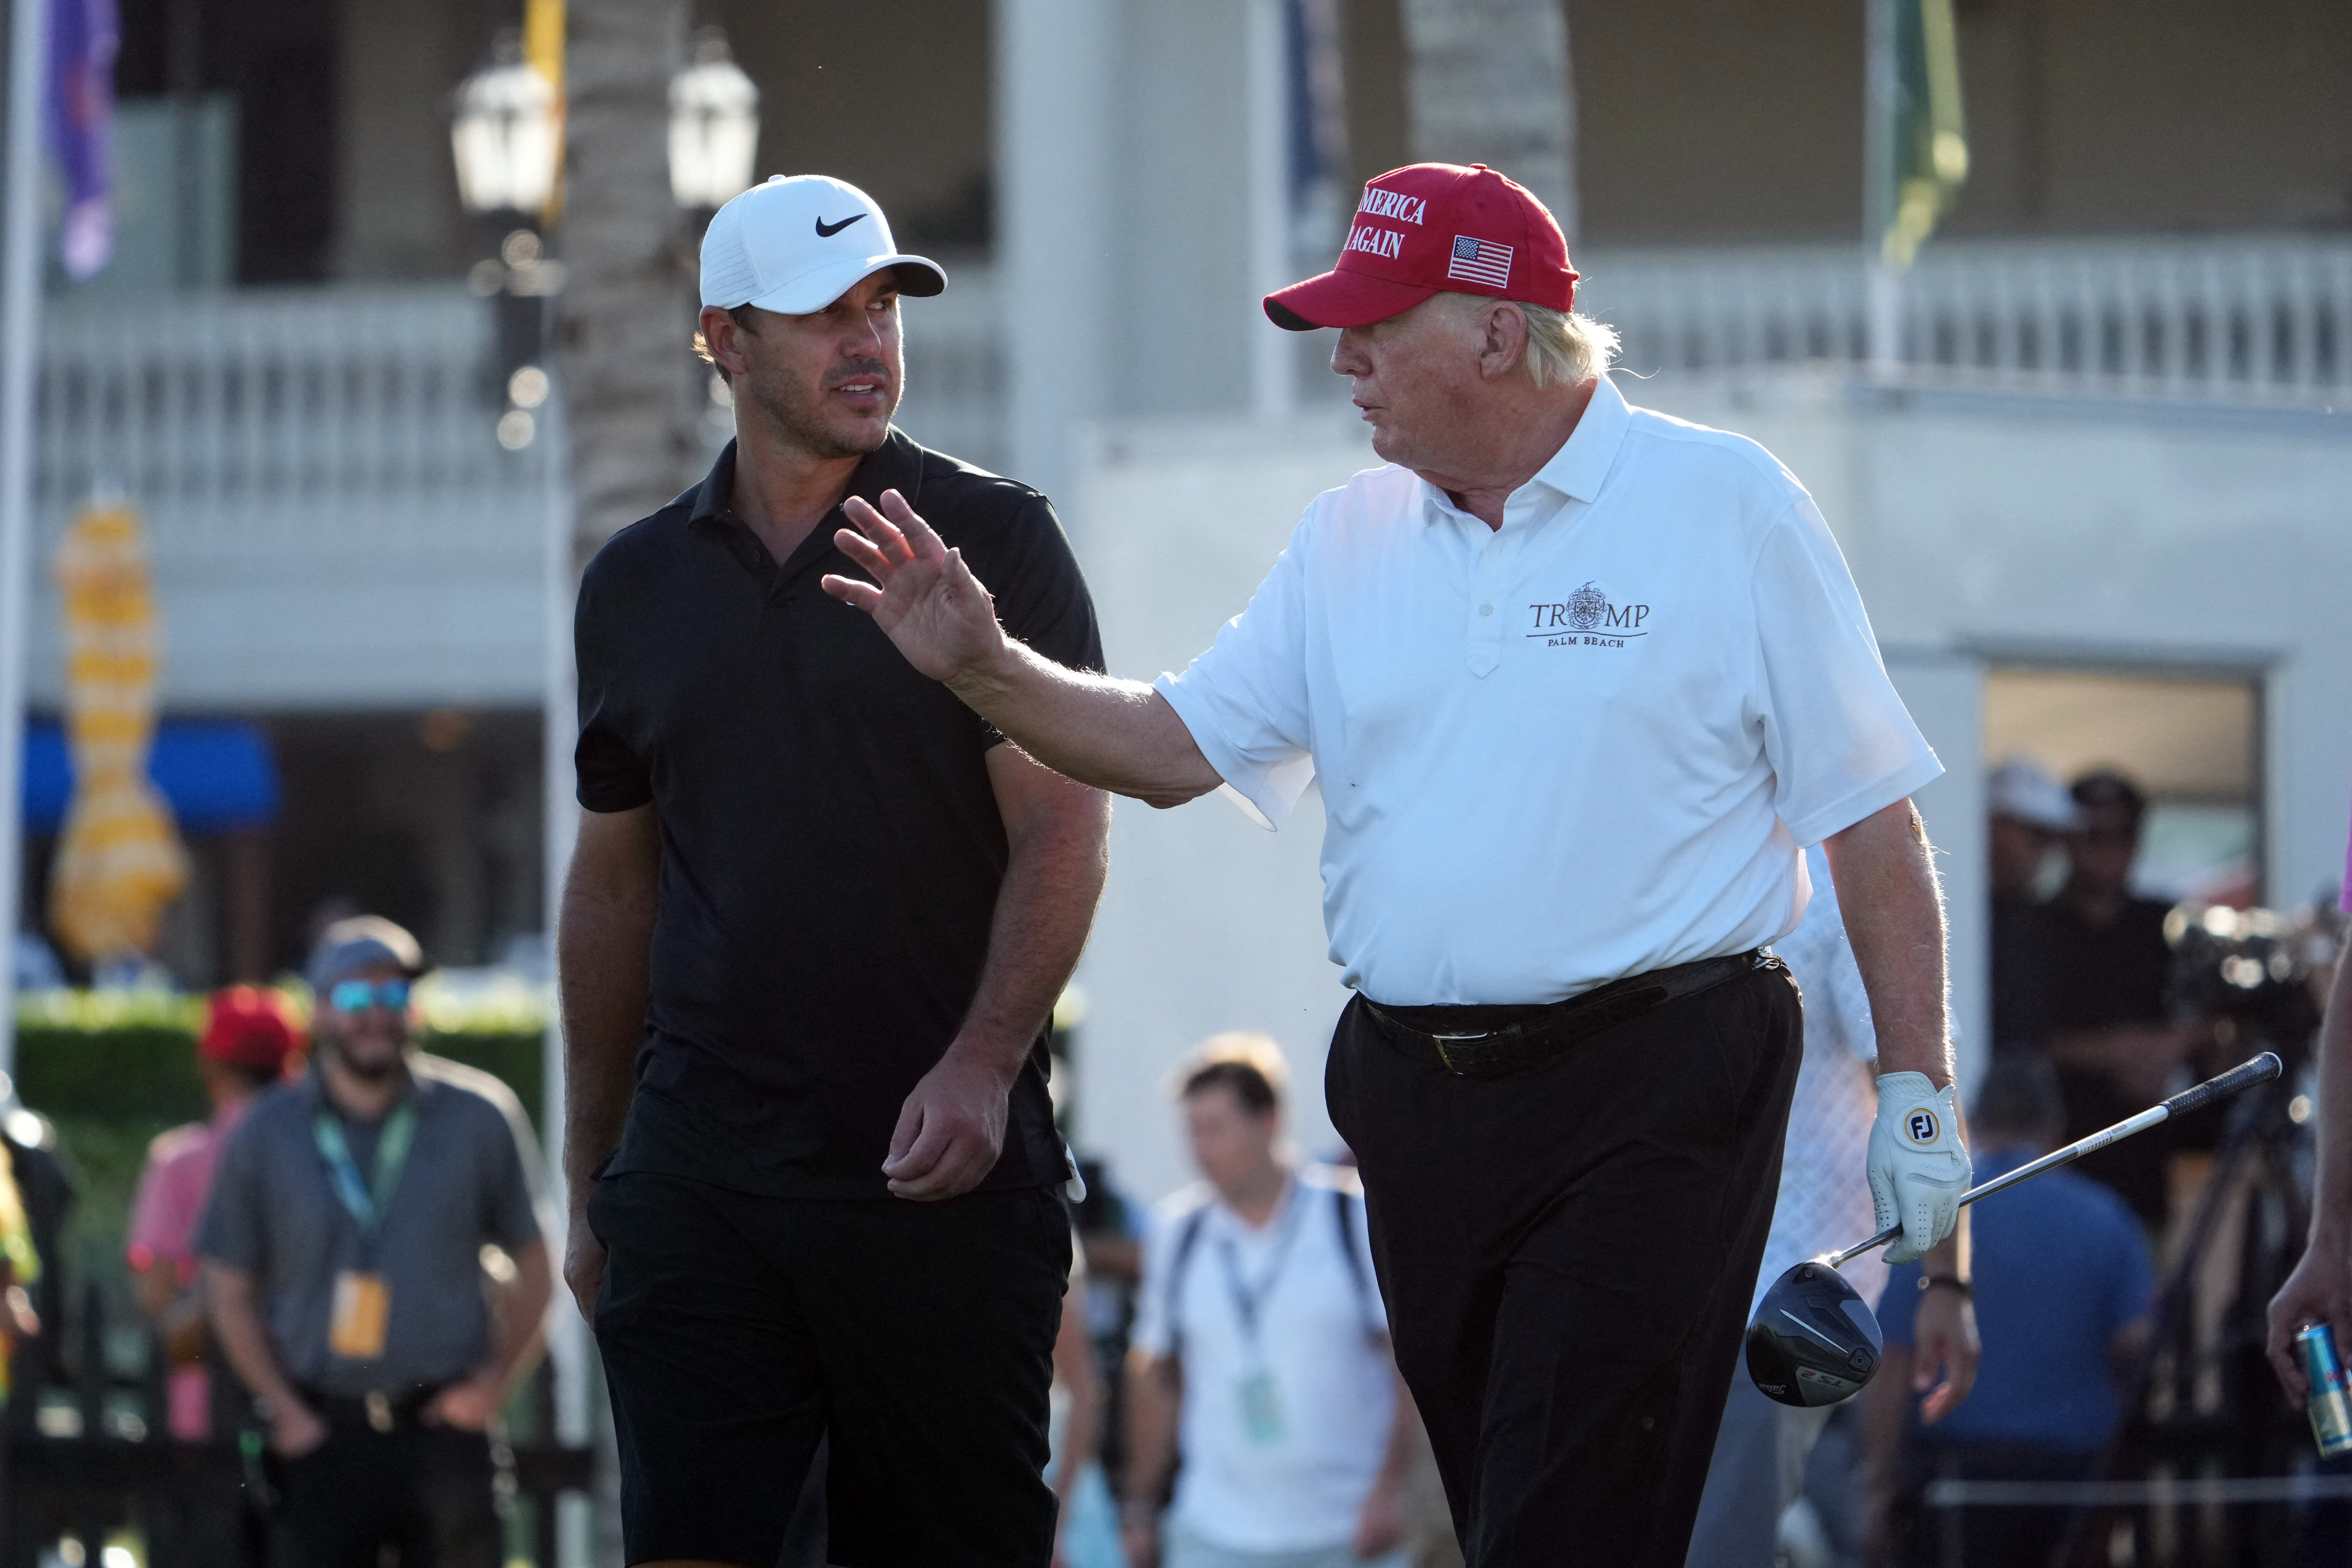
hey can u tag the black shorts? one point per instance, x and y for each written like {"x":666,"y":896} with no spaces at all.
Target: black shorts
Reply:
{"x":916,"y":1337}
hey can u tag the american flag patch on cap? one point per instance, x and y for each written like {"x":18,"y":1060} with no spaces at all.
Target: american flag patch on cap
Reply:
{"x":1480,"y":261}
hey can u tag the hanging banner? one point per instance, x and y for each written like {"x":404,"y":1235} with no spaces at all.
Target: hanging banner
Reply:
{"x":1924,"y":122}
{"x":121,"y":861}
{"x":84,"y":36}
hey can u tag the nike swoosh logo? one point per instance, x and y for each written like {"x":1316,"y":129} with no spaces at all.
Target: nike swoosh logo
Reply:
{"x":826,"y":230}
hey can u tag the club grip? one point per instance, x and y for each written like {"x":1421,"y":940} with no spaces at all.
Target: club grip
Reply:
{"x":2245,"y":1075}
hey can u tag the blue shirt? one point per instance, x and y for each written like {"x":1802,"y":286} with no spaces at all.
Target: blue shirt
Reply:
{"x":2061,"y":1265}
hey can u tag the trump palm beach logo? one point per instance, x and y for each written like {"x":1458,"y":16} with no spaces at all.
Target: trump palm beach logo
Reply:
{"x":1588,"y":619}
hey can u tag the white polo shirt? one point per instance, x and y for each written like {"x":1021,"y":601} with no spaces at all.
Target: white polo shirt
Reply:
{"x":1585,"y":746}
{"x":1281,"y":1430}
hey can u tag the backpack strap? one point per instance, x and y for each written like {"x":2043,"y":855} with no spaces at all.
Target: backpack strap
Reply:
{"x":1188,"y":1237}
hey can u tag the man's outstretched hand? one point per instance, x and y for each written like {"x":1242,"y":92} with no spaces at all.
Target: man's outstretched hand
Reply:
{"x":923,"y":596}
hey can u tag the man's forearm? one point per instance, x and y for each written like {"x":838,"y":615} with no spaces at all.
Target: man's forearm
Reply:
{"x":236,"y":1324}
{"x":1151,"y":1409}
{"x":1052,"y":879}
{"x":1895,"y":921}
{"x":1120,"y":736}
{"x":516,"y":1329}
{"x":602,"y":943}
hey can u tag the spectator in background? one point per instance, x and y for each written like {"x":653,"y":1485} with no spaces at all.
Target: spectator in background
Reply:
{"x":1085,"y":1526}
{"x":345,"y":1272}
{"x":249,"y":1037}
{"x":1109,"y":1226}
{"x":1260,"y":1350}
{"x":1758,"y":1465}
{"x":2062,"y":1287}
{"x":2031,"y":810}
{"x":2109,"y":1031}
{"x":29,"y":1141}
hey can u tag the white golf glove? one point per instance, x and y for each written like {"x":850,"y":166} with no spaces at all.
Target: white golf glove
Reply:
{"x":1918,"y":1167}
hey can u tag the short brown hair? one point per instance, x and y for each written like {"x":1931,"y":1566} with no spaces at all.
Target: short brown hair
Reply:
{"x":1251,"y":1065}
{"x":742,"y":316}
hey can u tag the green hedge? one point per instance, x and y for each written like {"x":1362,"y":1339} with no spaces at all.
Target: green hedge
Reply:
{"x":112,"y":1070}
{"x":149,"y":1074}
{"x":130,"y":1056}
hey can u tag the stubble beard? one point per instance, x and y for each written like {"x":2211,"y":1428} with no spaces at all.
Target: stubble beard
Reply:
{"x":798,"y":415}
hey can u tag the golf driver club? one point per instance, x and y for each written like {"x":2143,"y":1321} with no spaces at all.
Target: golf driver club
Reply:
{"x":1815,"y":1341}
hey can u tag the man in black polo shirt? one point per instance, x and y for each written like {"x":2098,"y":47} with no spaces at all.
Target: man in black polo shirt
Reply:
{"x":817,"y":921}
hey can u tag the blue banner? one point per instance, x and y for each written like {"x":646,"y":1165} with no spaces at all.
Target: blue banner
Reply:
{"x":84,"y":36}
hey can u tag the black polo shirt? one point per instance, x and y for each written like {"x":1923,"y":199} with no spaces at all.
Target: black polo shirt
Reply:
{"x":831,"y":846}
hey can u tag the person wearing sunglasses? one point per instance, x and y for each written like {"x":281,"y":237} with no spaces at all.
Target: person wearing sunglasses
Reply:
{"x":344,"y":1250}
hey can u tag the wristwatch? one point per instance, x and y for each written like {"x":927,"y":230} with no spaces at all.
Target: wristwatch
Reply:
{"x":1967,"y":1289}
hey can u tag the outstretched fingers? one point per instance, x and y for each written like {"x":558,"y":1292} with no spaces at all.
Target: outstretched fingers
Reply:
{"x":884,"y":534}
{"x":849,"y":591}
{"x":920,"y":539}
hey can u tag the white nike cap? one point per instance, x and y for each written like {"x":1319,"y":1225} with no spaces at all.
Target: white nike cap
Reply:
{"x":797,"y":244}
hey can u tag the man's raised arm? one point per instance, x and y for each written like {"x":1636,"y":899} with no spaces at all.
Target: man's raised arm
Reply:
{"x":1120,"y":736}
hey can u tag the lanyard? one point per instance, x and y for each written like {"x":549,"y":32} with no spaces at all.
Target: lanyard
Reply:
{"x":1247,"y":1300}
{"x":366,"y":1201}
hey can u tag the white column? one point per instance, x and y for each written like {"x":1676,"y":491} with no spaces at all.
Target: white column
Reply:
{"x":1054,"y":70}
{"x":1273,"y":353}
{"x":20,"y":301}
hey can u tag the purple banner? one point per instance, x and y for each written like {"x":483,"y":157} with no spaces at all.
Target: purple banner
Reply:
{"x":83,"y":37}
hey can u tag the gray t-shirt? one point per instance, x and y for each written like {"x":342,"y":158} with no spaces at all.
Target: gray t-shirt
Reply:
{"x":273,"y":1214}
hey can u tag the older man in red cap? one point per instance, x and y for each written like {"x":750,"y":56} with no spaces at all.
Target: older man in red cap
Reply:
{"x":1580,"y":682}
{"x":249,"y":1034}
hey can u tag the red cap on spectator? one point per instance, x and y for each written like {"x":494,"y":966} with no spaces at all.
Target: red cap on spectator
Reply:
{"x":1434,"y":228}
{"x":246,"y":1026}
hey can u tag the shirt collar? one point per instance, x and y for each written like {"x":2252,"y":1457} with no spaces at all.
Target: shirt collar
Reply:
{"x":1583,"y":460}
{"x":1578,"y":469}
{"x":895,"y":464}
{"x":1275,"y":1216}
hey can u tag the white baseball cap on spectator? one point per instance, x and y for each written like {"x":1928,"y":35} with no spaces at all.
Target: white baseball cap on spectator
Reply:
{"x":798,"y":243}
{"x":2022,"y":787}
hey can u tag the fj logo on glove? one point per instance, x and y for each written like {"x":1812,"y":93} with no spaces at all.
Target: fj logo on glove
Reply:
{"x":1921,"y":1125}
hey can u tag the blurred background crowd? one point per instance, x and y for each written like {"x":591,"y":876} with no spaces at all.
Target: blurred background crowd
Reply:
{"x":351,"y":331}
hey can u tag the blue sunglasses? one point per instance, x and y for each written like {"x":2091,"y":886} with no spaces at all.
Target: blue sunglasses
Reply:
{"x":358,"y":996}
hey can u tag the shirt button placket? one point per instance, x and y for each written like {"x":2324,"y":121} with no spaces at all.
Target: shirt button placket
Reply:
{"x":1485,"y":629}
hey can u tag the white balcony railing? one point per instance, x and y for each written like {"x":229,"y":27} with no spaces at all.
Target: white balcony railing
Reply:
{"x":2243,"y":318}
{"x":287,"y":420}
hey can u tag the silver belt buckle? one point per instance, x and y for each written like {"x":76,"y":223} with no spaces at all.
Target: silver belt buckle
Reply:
{"x":379,"y":1410}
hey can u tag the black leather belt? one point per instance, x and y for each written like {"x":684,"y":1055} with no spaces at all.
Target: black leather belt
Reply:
{"x":1443,"y":1035}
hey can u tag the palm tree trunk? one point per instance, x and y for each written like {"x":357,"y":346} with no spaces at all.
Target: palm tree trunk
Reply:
{"x":1487,"y":81}
{"x":627,"y":312}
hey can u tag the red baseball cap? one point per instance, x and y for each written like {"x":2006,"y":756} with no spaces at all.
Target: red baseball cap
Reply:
{"x":246,"y":1026}
{"x":1435,"y":228}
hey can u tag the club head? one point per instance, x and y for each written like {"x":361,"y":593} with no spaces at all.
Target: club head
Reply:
{"x":1814,"y":1339}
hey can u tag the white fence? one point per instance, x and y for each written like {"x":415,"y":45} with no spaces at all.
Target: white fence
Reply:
{"x":2240,"y":318}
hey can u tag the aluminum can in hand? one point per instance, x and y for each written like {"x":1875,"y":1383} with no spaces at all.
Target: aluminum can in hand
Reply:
{"x":2331,"y":1392}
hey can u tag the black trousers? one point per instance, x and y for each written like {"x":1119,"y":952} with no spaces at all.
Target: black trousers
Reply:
{"x":1567,"y":1258}
{"x":916,"y":1338}
{"x":422,"y":1494}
